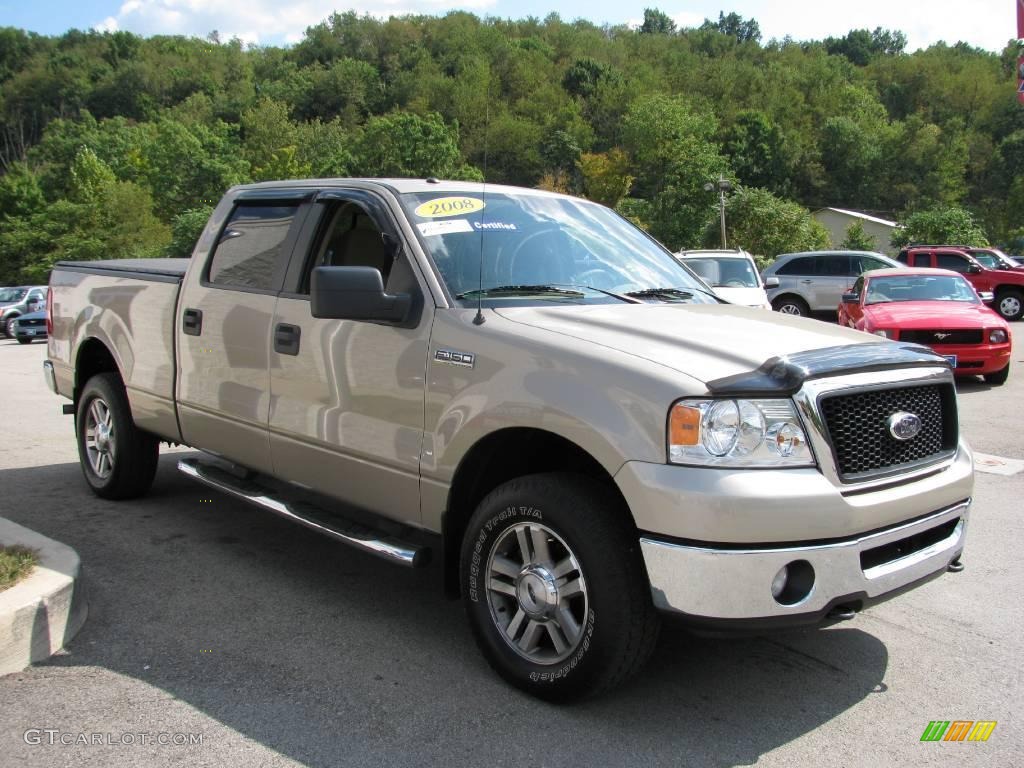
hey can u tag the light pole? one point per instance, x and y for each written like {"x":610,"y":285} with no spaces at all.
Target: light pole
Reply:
{"x":723,"y":185}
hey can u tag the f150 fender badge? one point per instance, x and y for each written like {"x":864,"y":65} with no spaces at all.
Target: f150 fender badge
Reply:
{"x":465,"y":359}
{"x":904,"y":426}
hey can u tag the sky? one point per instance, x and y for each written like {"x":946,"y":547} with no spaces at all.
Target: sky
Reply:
{"x":986,"y":24}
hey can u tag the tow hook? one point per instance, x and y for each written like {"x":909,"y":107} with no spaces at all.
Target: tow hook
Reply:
{"x":841,"y":613}
{"x":956,"y":566}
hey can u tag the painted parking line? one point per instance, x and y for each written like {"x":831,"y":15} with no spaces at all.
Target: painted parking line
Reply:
{"x":997,"y":465}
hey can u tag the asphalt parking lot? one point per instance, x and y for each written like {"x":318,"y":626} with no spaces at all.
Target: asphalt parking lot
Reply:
{"x":280,"y":647}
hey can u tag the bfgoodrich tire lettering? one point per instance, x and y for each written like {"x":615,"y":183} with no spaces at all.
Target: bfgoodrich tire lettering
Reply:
{"x":118,"y":459}
{"x":555,"y":588}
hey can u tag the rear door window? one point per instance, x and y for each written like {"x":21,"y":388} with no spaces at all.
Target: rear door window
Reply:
{"x":248,"y":253}
{"x":801,"y":266}
{"x":833,"y":265}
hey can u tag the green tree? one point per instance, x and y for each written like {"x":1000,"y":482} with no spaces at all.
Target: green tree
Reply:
{"x":767,"y":225}
{"x":606,"y":177}
{"x":20,"y":193}
{"x":857,"y":239}
{"x":403,"y":144}
{"x":944,"y":224}
{"x":185,"y":231}
{"x":657,"y":23}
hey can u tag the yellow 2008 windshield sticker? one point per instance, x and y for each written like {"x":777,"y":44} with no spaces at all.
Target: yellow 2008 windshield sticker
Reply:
{"x":449,"y":206}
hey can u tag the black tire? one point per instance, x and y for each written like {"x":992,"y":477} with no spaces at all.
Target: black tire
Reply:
{"x":8,"y":329}
{"x":791,"y":305}
{"x":24,"y":340}
{"x":614,"y":626}
{"x":999,"y":377}
{"x":132,"y":453}
{"x":1010,"y":303}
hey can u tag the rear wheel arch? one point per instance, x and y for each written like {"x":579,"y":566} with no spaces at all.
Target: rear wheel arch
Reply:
{"x":502,"y":456}
{"x":94,"y":357}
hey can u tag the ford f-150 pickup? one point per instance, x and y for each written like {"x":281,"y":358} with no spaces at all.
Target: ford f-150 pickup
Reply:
{"x":529,"y":389}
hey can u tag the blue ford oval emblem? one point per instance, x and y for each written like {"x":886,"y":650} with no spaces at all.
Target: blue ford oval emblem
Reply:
{"x":904,"y":426}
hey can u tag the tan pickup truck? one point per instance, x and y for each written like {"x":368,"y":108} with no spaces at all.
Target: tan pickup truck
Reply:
{"x":530,"y":390}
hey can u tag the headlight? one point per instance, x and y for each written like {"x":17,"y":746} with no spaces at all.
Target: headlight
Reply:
{"x":997,"y":336}
{"x":739,"y":433}
{"x":885,"y":334}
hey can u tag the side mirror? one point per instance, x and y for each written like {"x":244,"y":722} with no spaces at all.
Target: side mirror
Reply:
{"x":771,"y":282}
{"x":986,"y":296}
{"x":355,"y":293}
{"x":973,"y":269}
{"x":851,"y":298}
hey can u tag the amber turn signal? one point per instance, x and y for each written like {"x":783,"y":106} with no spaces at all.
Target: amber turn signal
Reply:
{"x":684,"y":425}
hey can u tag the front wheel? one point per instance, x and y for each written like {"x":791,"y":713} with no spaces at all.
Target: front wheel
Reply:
{"x":999,"y":377}
{"x":555,"y":587}
{"x":791,"y":305}
{"x":1010,"y":304}
{"x":24,"y":340}
{"x":9,"y":326}
{"x":118,"y":459}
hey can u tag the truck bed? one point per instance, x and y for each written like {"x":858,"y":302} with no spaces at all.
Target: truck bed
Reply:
{"x":129,"y":307}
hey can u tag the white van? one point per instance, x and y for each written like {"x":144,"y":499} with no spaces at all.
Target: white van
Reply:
{"x":731,"y":274}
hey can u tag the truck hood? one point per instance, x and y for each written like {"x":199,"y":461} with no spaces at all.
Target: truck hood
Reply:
{"x":926,"y":315}
{"x":703,"y":341}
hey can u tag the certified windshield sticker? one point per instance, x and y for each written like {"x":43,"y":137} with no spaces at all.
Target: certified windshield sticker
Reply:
{"x":429,"y":228}
{"x":449,"y":206}
{"x":493,"y":226}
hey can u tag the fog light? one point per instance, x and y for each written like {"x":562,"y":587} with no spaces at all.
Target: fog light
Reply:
{"x":779,"y":582}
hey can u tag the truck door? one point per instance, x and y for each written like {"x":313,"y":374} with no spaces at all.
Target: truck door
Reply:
{"x":346,"y":408}
{"x":224,"y":330}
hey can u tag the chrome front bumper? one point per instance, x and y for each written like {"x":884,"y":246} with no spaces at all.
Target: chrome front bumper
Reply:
{"x":734,"y":584}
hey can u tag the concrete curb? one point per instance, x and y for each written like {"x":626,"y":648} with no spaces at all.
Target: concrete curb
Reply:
{"x":40,"y":614}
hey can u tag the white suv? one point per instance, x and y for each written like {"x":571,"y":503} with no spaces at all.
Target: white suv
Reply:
{"x":732,"y":275}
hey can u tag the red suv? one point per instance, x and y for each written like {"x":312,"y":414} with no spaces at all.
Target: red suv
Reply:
{"x":1006,"y":284}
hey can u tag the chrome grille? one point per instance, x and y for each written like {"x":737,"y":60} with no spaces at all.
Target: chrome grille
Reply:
{"x":858,"y":428}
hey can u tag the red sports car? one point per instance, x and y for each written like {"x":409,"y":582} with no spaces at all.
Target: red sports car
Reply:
{"x":936,"y":307}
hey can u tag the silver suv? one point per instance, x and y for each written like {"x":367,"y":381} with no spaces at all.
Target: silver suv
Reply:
{"x":814,"y":281}
{"x":18,"y":301}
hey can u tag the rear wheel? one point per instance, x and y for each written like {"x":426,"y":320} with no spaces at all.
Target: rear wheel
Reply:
{"x":999,"y":377}
{"x":1010,"y":303}
{"x":555,"y":587}
{"x":118,"y":459}
{"x":791,"y":305}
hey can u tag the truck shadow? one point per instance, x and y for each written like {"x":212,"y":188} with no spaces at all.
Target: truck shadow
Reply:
{"x":330,"y":657}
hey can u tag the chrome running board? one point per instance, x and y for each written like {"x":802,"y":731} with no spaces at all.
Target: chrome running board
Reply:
{"x":329,"y":524}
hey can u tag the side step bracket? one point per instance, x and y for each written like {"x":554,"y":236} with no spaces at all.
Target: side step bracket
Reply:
{"x":346,"y":531}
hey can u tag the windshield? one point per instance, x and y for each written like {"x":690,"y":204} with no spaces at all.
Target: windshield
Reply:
{"x":724,"y":272}
{"x":919,"y":288}
{"x":11,"y":295}
{"x":527,"y":248}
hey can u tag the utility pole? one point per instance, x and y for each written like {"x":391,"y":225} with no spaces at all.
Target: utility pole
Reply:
{"x":723,"y":185}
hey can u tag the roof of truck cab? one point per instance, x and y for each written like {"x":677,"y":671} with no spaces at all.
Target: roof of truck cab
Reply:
{"x":403,"y":186}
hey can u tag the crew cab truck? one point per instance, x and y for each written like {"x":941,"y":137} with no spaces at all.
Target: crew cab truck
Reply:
{"x":532,"y":391}
{"x":1006,"y":284}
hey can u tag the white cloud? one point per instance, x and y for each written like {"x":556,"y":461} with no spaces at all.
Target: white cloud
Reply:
{"x":984,"y":23}
{"x":256,"y":21}
{"x":109,"y":24}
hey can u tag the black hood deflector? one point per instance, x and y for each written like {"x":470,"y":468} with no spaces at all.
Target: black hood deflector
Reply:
{"x":783,"y":376}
